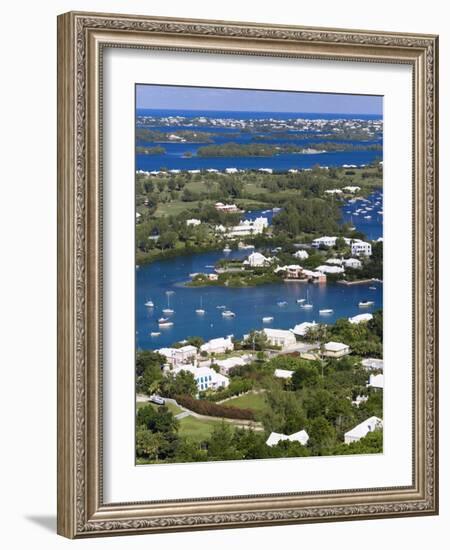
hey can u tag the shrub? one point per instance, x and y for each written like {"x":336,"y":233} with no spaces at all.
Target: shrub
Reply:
{"x":207,"y":408}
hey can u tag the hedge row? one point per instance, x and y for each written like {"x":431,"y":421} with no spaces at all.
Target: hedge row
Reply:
{"x":207,"y":408}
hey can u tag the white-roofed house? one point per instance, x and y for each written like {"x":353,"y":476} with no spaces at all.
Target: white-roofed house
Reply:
{"x":353,"y":263}
{"x":335,"y":349}
{"x":361,"y":430}
{"x":193,"y":222}
{"x":218,"y":345}
{"x":177,"y":356}
{"x":278,"y":337}
{"x":335,"y":269}
{"x":351,"y":188}
{"x":361,"y":318}
{"x":361,"y":248}
{"x":256,"y":259}
{"x":228,"y":365}
{"x":283,"y":373}
{"x":376,"y":381}
{"x":274,"y":438}
{"x":371,"y":363}
{"x":205,"y":377}
{"x":301,"y":255}
{"x":302,"y":328}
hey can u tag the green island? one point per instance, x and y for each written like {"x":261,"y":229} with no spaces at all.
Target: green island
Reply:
{"x":166,"y":201}
{"x":190,"y":136}
{"x":267,"y":150}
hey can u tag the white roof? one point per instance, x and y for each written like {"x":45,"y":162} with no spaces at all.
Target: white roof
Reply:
{"x":361,"y":430}
{"x":301,"y":436}
{"x":302,"y":328}
{"x":330,"y":269}
{"x":257,"y":256}
{"x":282,"y":373}
{"x":277,"y":333}
{"x":361,"y":318}
{"x":335,"y":346}
{"x":376,"y":381}
{"x":217,"y":343}
{"x":230,"y":362}
{"x":372,"y":362}
{"x":302,"y":254}
{"x":188,"y":348}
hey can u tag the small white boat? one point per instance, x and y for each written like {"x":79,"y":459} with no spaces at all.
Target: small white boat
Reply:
{"x":200,"y":310}
{"x":306,"y":305}
{"x":282,"y":303}
{"x":168,"y":310}
{"x":372,"y":287}
{"x":228,"y":313}
{"x":365,"y":303}
{"x":221,"y":307}
{"x":149,"y":303}
{"x":325,"y":311}
{"x":227,"y":249}
{"x":267,"y":319}
{"x":164,"y":322}
{"x":155,"y":334}
{"x":367,"y":217}
{"x":300,"y":300}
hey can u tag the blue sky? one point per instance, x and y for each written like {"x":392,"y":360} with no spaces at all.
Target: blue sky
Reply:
{"x":226,"y":99}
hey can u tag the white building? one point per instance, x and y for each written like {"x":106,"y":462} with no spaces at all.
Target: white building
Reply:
{"x":231,"y":170}
{"x":361,"y":430}
{"x":257,"y":260}
{"x":283,"y":373}
{"x":361,"y":248}
{"x":228,"y":365}
{"x":227,"y":208}
{"x":274,"y":438}
{"x":353,"y":263}
{"x":193,"y":221}
{"x":334,"y":261}
{"x":372,"y":364}
{"x":302,"y":328}
{"x":248,"y":227}
{"x":361,"y":318}
{"x":324,"y":241}
{"x":351,"y":188}
{"x":205,"y":377}
{"x":335,"y":349}
{"x":218,"y":345}
{"x":335,"y":269}
{"x":376,"y":381}
{"x":333,"y":191}
{"x":301,"y":255}
{"x":278,"y":337}
{"x":178,"y":356}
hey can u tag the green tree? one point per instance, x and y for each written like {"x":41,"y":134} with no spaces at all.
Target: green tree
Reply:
{"x":322,"y":437}
{"x":181,"y":384}
{"x":221,"y":445}
{"x":306,"y":374}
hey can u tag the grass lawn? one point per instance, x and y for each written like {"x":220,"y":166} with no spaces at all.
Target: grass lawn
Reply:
{"x":196,"y":429}
{"x":254,"y":401}
{"x":173,"y":208}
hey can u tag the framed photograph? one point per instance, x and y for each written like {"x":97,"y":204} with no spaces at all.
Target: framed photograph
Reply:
{"x":247,"y":283}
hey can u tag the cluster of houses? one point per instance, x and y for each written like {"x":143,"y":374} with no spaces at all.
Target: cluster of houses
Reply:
{"x":355,"y":434}
{"x":358,"y":247}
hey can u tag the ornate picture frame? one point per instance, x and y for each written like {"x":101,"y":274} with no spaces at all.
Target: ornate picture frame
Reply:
{"x":82,"y":38}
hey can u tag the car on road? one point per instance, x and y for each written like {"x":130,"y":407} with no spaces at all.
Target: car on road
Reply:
{"x":157,"y":399}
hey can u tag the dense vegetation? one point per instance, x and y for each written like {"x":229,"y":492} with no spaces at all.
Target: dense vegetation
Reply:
{"x":319,"y":398}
